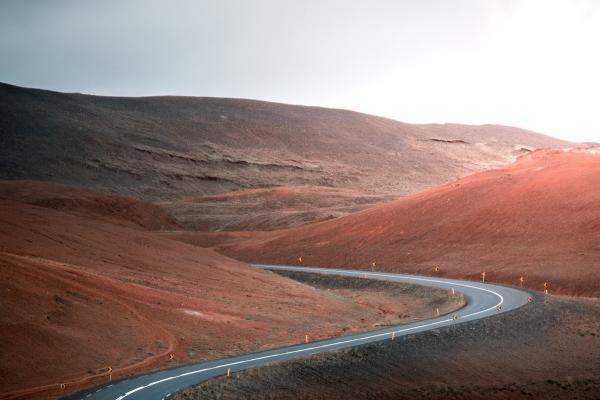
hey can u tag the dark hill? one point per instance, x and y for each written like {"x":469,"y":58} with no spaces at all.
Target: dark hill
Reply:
{"x":167,"y":147}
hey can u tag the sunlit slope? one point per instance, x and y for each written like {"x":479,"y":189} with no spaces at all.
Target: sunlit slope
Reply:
{"x":86,"y":286}
{"x":538,"y":218}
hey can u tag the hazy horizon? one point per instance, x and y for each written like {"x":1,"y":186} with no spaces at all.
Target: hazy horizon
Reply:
{"x":530,"y":64}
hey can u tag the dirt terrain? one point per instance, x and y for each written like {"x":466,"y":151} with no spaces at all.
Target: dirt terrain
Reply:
{"x":86,"y":286}
{"x":537,"y":218}
{"x":124,"y":278}
{"x":86,"y":203}
{"x":268,"y":209}
{"x":547,"y":350}
{"x":290,"y":164}
{"x":168,"y":148}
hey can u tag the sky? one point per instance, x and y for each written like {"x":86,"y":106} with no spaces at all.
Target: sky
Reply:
{"x":528,"y":63}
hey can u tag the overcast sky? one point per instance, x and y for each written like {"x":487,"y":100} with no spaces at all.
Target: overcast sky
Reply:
{"x":531,"y":63}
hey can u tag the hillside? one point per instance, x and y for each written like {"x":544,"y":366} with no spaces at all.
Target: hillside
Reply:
{"x":87,"y":288}
{"x":537,"y":218}
{"x":85,"y":203}
{"x":166,"y":148}
{"x":269,"y":208}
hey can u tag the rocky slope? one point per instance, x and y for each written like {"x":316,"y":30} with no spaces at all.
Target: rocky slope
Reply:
{"x":165,"y":148}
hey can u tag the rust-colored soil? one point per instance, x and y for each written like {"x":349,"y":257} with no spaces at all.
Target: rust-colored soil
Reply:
{"x":538,"y":218}
{"x":80,"y":294}
{"x":116,"y":209}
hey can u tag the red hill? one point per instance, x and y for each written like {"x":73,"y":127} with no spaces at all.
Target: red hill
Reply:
{"x":84,"y":286}
{"x":539,"y":218}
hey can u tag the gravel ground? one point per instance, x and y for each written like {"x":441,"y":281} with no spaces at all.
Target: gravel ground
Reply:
{"x":547,"y":349}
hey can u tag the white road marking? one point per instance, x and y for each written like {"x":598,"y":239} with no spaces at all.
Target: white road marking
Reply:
{"x":129,"y":393}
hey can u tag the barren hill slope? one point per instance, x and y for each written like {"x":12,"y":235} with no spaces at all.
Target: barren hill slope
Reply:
{"x":538,"y":218}
{"x":86,"y":203}
{"x":268,"y":208}
{"x":167,"y":147}
{"x":85,"y":288}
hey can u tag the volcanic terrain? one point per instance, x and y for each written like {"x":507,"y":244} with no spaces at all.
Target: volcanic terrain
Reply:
{"x":166,"y":148}
{"x":537,"y":219}
{"x":115,"y":214}
{"x":269,"y":208}
{"x":549,"y":349}
{"x":87,"y":284}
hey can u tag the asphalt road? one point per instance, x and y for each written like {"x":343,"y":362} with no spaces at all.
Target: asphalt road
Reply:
{"x":482,"y":301}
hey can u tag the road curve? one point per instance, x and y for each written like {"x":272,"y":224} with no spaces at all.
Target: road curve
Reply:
{"x":482,"y":300}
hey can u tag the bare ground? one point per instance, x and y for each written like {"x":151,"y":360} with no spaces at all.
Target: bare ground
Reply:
{"x":82,"y":291}
{"x":548,"y":350}
{"x":537,"y":218}
{"x":165,"y":148}
{"x":268,"y":208}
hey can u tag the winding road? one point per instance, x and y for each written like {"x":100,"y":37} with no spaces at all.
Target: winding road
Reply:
{"x":482,"y":300}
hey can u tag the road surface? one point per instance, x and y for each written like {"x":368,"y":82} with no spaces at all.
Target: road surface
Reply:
{"x":482,"y":300}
